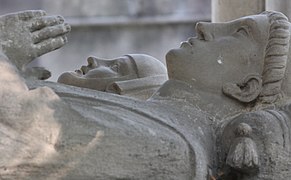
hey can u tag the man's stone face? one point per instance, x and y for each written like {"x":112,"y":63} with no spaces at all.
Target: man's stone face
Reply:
{"x":221,"y":52}
{"x":99,"y":73}
{"x":102,"y":68}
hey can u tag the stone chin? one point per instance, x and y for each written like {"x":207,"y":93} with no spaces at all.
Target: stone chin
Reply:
{"x":171,"y":60}
{"x":75,"y":79}
{"x":180,"y":65}
{"x":99,"y":84}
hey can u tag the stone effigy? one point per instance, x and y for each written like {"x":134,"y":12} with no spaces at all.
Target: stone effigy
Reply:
{"x":223,"y":114}
{"x":133,"y":75}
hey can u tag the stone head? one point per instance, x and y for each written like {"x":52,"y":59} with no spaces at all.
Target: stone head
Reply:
{"x":246,"y":58}
{"x":117,"y":75}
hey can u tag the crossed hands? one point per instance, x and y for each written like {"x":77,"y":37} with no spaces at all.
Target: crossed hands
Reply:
{"x":30,"y":34}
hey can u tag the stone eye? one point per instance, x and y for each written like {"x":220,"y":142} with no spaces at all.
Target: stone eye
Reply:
{"x":243,"y":30}
{"x":115,"y":67}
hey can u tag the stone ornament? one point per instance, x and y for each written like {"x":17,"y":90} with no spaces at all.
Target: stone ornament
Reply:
{"x":224,"y":113}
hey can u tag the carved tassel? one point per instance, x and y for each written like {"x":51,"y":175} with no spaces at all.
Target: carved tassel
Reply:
{"x":243,"y":154}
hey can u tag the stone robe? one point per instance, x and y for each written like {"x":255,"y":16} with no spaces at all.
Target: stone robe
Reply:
{"x":84,"y":134}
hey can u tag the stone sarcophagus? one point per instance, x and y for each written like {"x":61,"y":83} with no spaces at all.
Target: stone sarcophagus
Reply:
{"x":224,"y":113}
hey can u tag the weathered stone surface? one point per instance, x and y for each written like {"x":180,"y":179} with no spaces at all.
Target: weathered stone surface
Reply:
{"x":134,"y":75}
{"x":130,"y":26}
{"x":30,"y":32}
{"x":224,"y":114}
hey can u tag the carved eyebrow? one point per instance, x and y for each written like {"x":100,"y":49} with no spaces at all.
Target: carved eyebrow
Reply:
{"x":249,"y":22}
{"x":244,"y":22}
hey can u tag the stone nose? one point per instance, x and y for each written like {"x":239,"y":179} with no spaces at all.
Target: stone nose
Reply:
{"x":92,"y":62}
{"x":204,"y":31}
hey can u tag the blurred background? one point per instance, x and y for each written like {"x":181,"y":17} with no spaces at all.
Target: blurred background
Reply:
{"x":112,"y":28}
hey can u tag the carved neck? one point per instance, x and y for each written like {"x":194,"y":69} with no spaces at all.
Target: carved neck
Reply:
{"x":215,"y":104}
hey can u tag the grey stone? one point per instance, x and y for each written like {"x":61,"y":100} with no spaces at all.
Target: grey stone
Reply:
{"x":110,"y":28}
{"x":31,"y":32}
{"x":134,"y":75}
{"x":224,"y":113}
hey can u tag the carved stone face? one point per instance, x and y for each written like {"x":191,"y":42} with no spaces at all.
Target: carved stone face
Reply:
{"x":221,"y":53}
{"x":100,"y":72}
{"x":100,"y":68}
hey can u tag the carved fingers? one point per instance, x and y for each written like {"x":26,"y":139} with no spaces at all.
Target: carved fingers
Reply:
{"x":42,"y":22}
{"x":49,"y":45}
{"x":50,"y":32}
{"x":29,"y":34}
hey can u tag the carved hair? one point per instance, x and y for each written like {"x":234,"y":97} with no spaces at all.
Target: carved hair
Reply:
{"x":276,"y":55}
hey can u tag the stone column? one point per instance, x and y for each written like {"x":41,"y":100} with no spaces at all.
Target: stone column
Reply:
{"x":283,"y":6}
{"x":225,"y":10}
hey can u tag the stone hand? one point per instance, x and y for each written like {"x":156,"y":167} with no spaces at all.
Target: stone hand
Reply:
{"x":30,"y":34}
{"x":39,"y":73}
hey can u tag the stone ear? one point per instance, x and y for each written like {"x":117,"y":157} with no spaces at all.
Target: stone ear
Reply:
{"x":246,"y":91}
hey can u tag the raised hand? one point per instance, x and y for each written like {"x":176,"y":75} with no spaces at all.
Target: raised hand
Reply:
{"x":30,"y":34}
